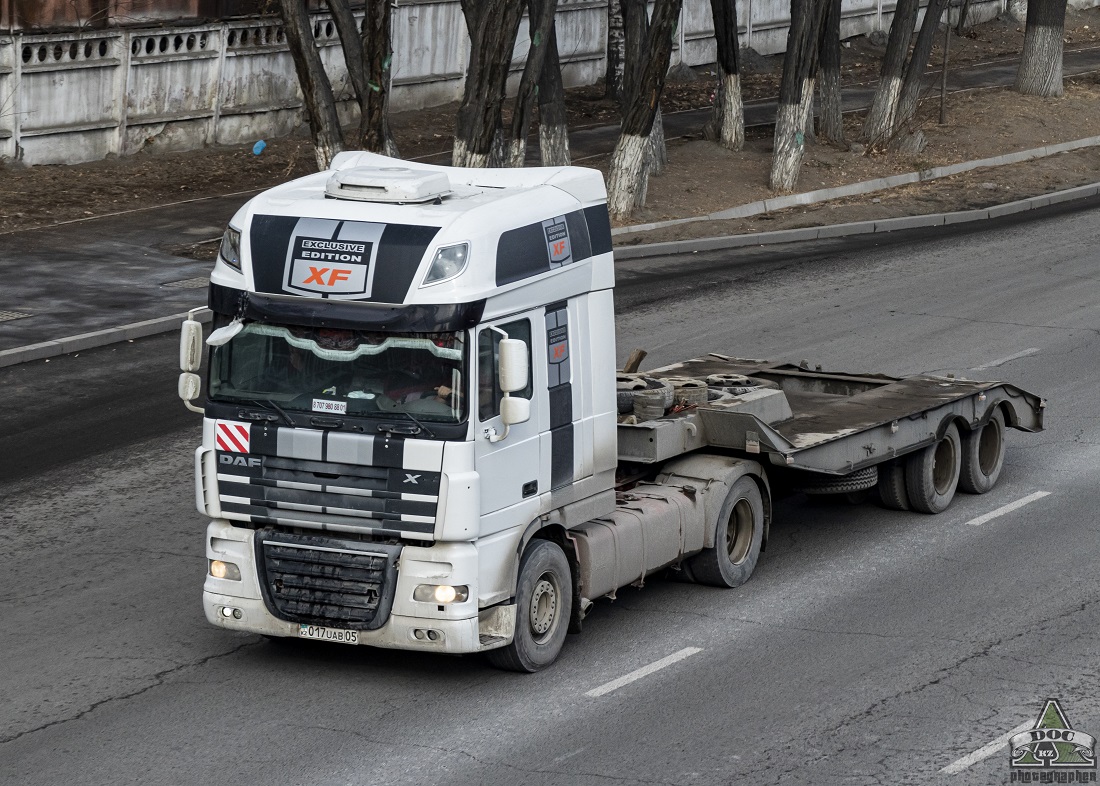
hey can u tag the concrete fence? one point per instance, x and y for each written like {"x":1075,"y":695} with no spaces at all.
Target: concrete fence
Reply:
{"x":83,"y":95}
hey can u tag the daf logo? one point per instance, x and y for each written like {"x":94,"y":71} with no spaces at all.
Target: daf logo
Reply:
{"x":241,"y":461}
{"x":411,"y":478}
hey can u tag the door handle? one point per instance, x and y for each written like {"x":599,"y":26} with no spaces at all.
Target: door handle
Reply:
{"x":531,"y":488}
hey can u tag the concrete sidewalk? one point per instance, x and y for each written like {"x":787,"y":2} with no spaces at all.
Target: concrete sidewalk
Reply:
{"x":92,"y":276}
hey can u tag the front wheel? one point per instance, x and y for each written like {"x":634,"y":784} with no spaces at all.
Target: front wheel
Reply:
{"x":544,"y":600}
{"x":738,"y":535}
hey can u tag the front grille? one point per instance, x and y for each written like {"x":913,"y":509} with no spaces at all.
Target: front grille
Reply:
{"x":327,"y":581}
{"x":328,"y":495}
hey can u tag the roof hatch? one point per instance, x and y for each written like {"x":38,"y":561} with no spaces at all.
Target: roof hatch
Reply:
{"x":392,"y":184}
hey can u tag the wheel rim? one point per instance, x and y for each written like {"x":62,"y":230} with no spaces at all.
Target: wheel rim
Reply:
{"x":739,"y":530}
{"x":989,"y":448}
{"x":943,"y":466}
{"x":544,"y":607}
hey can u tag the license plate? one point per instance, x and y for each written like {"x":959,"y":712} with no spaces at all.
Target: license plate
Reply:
{"x":328,"y":634}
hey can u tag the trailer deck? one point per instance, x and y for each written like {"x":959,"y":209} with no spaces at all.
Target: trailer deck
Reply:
{"x":825,"y":422}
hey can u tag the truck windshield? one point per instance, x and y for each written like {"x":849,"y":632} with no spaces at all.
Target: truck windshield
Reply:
{"x":343,"y":372}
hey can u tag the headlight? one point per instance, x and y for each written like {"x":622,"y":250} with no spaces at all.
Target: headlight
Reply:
{"x":230,"y":250}
{"x":448,"y":262}
{"x":224,"y":570}
{"x":441,"y":594}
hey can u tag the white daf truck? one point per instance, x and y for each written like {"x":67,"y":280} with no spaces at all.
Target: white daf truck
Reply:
{"x":415,"y":437}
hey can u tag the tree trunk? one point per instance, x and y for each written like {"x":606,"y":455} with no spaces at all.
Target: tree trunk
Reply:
{"x":553,"y":121}
{"x":729,"y":113}
{"x":831,"y":125}
{"x":540,"y":23}
{"x":918,"y":63}
{"x":324,"y":124}
{"x":348,"y":30}
{"x":879,"y":124}
{"x":629,"y":177}
{"x":616,"y":51}
{"x":799,"y":65}
{"x":493,"y":25}
{"x":1040,"y":71}
{"x":374,"y":124}
{"x":637,"y":28}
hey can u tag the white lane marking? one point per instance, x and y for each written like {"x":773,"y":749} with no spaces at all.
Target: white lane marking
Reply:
{"x":985,"y":751}
{"x":565,"y":756}
{"x":645,"y":671}
{"x":1002,"y":361}
{"x":1008,"y":508}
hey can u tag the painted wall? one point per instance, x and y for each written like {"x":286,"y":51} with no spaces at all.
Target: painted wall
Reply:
{"x":81,"y":95}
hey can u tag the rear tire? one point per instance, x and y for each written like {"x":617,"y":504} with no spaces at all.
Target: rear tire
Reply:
{"x":932,"y":474}
{"x":983,"y":455}
{"x":892,"y":492}
{"x":738,"y":535}
{"x":544,"y":601}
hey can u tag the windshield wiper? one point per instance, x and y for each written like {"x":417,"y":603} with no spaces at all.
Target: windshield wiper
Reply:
{"x":393,"y":428}
{"x":269,"y":404}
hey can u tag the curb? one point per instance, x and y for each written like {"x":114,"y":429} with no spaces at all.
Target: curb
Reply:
{"x":855,"y":228}
{"x":98,"y":338}
{"x":864,"y":187}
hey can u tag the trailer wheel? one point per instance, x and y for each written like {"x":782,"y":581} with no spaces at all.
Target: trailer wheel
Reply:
{"x":892,"y":492}
{"x":544,"y":601}
{"x":932,"y":474}
{"x":983,"y":455}
{"x":737,"y":538}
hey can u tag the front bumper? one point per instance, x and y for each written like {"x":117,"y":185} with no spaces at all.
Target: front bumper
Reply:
{"x":456,"y":628}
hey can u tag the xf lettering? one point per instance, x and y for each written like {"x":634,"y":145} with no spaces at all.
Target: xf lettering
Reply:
{"x":317,"y":276}
{"x":559,"y":247}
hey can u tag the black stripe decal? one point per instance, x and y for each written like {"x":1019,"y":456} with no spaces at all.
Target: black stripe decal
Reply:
{"x":599,"y":228}
{"x":561,"y":456}
{"x":538,"y":248}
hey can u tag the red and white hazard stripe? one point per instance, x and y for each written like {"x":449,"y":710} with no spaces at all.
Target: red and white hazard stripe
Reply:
{"x":231,"y":436}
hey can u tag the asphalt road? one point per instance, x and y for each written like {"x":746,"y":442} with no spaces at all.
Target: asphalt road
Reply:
{"x":870,"y":647}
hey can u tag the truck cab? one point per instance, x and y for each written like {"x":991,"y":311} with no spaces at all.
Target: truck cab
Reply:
{"x":367,"y":477}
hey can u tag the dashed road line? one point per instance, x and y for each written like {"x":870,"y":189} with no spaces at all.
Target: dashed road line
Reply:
{"x":984,"y":752}
{"x":977,"y":522}
{"x":1002,"y":361}
{"x":645,"y":671}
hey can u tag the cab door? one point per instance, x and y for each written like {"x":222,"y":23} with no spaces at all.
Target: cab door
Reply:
{"x":511,"y":471}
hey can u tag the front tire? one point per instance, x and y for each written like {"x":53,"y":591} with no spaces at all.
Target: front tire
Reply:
{"x":544,"y":601}
{"x":738,"y":535}
{"x":932,"y":474}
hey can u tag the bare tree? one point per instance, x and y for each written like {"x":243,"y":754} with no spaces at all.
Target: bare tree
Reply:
{"x":831,"y":121}
{"x":374,"y":102}
{"x":636,"y":26}
{"x":629,"y":174}
{"x":729,"y":110}
{"x":324,"y":124}
{"x":616,"y":51}
{"x":904,"y":135}
{"x":796,"y":92}
{"x":553,"y":121}
{"x":540,"y":22}
{"x":879,"y":124}
{"x":1040,"y":72}
{"x":493,"y":25}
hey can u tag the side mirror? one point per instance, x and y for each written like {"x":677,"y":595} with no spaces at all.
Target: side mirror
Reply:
{"x":514,"y":410}
{"x":512,"y":366}
{"x":190,"y":386}
{"x":190,"y":346}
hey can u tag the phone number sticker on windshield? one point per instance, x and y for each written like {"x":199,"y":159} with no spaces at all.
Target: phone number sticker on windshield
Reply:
{"x":324,"y":405}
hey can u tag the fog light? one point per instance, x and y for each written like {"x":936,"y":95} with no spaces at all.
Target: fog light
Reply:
{"x":224,"y":570}
{"x":418,"y":633}
{"x":441,"y":593}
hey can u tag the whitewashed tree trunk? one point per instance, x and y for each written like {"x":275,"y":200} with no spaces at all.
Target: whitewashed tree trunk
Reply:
{"x":628,"y":180}
{"x":879,"y":124}
{"x":658,"y":150}
{"x":1040,"y":72}
{"x":789,"y":147}
{"x":729,"y":112}
{"x":462,"y":156}
{"x":807,"y":110}
{"x":554,"y":144}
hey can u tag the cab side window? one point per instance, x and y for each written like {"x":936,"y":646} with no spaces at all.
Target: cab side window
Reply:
{"x":488,"y":382}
